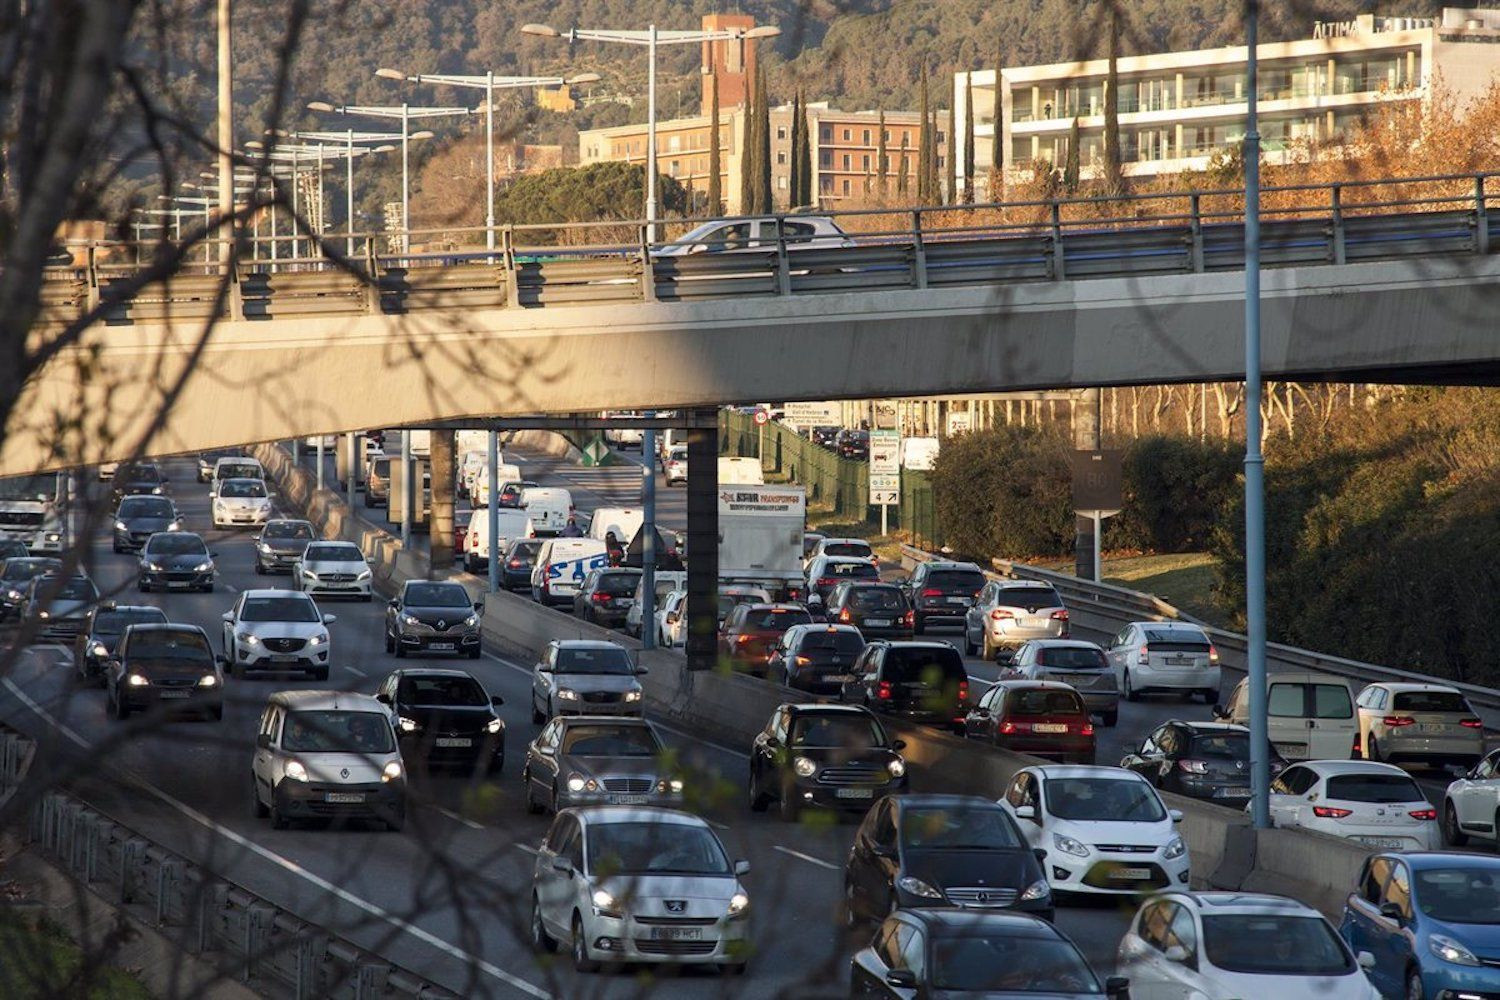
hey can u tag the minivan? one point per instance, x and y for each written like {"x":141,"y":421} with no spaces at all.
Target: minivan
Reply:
{"x":549,"y":509}
{"x":1309,"y":716}
{"x":510,"y":525}
{"x":234,"y":467}
{"x":561,"y":566}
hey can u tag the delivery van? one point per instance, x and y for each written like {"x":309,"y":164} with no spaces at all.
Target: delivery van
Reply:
{"x":511,"y":524}
{"x":548,"y":507}
{"x":561,"y":566}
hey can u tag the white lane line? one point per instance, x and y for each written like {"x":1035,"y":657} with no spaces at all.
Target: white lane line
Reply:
{"x":527,"y":848}
{"x":230,"y":587}
{"x":460,"y":819}
{"x":355,"y":670}
{"x":319,"y":882}
{"x":806,"y":857}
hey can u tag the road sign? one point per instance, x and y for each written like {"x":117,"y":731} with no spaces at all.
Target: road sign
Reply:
{"x":885,"y":498}
{"x":1096,"y":481}
{"x":805,"y":415}
{"x":594,"y":452}
{"x":762,"y":417}
{"x":885,"y":468}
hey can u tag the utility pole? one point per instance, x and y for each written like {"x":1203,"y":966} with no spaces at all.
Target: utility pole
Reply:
{"x":226,"y":129}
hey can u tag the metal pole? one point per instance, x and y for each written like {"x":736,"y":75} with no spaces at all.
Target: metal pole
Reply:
{"x":406,"y":489}
{"x":648,"y":537}
{"x":349,"y":196}
{"x":275,"y":224}
{"x":1255,"y":516}
{"x":405,"y":181}
{"x":319,"y":226}
{"x":352,"y":470}
{"x":1098,"y":545}
{"x":489,"y":160}
{"x":226,"y":126}
{"x":320,"y":461}
{"x":492,"y":476}
{"x":651,"y":141}
{"x":296,"y":206}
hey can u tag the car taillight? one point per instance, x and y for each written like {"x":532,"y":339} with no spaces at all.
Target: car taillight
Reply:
{"x":1010,"y":728}
{"x":910,"y":618}
{"x":963,"y":691}
{"x":1087,"y":729}
{"x":602,"y":598}
{"x":1144,"y":655}
{"x":1000,"y":614}
{"x":1190,"y":766}
{"x":514,"y":564}
{"x":1397,"y":721}
{"x":1213,"y":653}
{"x":793,"y":594}
{"x":1061,"y":614}
{"x":1331,"y":812}
{"x":932,"y":592}
{"x":883,"y":690}
{"x":1471,"y":723}
{"x":844,"y":615}
{"x":827,"y":581}
{"x":1423,"y":814}
{"x":802,"y":661}
{"x":743,"y":639}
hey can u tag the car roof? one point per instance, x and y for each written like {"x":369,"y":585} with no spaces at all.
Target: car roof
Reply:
{"x":1202,"y":726}
{"x":919,"y":644}
{"x":1026,"y":684}
{"x":275,"y":592}
{"x":1065,"y":644}
{"x":165,"y":627}
{"x":1445,"y":859}
{"x":843,"y":559}
{"x":175,"y":534}
{"x":1305,"y":677}
{"x":435,"y":583}
{"x":935,"y":801}
{"x":110,"y":606}
{"x":631,"y":721}
{"x":774,"y":606}
{"x":433,"y":672}
{"x":288,"y":520}
{"x":952,"y":564}
{"x":1402,"y":687}
{"x":1331,"y":768}
{"x":810,"y":627}
{"x":1086,"y":771}
{"x":832,"y":540}
{"x":635,"y":814}
{"x":826,"y":708}
{"x":328,"y":701}
{"x":587,"y":644}
{"x":1228,"y":903}
{"x":243,"y":479}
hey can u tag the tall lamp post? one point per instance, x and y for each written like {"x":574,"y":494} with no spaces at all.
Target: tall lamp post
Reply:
{"x":651,"y":38}
{"x":350,"y":137}
{"x":347,"y":150}
{"x":489,"y":83}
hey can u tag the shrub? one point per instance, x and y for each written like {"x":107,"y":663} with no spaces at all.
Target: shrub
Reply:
{"x":1174,"y":491}
{"x":1005,"y":492}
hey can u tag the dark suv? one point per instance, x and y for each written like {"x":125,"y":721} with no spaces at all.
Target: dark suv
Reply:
{"x":876,"y":609}
{"x":942,"y":592}
{"x":515,"y":570}
{"x":433,"y":617}
{"x":853,"y":445}
{"x":751,"y":631}
{"x":101,"y":634}
{"x":815,"y":658}
{"x":606,"y":596}
{"x":168,"y":665}
{"x":445,"y":717}
{"x":917,"y":681}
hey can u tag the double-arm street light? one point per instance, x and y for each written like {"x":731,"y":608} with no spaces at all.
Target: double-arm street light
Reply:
{"x":651,"y":38}
{"x":489,"y":83}
{"x":349,"y":138}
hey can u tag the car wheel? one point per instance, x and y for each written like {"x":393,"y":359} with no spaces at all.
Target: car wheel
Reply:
{"x":537,"y":715}
{"x":758,"y":800}
{"x":1130,"y":692}
{"x":532,"y":805}
{"x":260,"y":569}
{"x":121,"y":708}
{"x":237,"y":669}
{"x":552,"y":800}
{"x":987,"y":652}
{"x":1110,"y":718}
{"x":540,"y":939}
{"x":400,"y":650}
{"x":474,"y":653}
{"x":1372,"y":749}
{"x":1452,"y":835}
{"x":207,"y":588}
{"x":1496,"y":842}
{"x":1414,"y":990}
{"x":581,"y":960}
{"x":216,"y":713}
{"x":140,"y":584}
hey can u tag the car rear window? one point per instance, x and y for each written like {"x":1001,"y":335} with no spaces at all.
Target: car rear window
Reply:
{"x":1430,"y":701}
{"x":1072,"y":658}
{"x":956,"y":581}
{"x":858,"y":549}
{"x":925,"y":664}
{"x":1235,"y":746}
{"x":115,"y":622}
{"x":1374,"y":788}
{"x":831,"y":642}
{"x":1029,"y":598}
{"x":1042,"y":702}
{"x":619,"y":584}
{"x":1294,"y":699}
{"x":779,"y":619}
{"x":1176,"y":641}
{"x":857,"y":571}
{"x":877,"y":599}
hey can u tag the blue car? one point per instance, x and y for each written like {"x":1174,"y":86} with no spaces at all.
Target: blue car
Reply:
{"x":1431,"y":920}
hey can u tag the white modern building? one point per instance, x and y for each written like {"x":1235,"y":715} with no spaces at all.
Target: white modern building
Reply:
{"x":1176,"y":109}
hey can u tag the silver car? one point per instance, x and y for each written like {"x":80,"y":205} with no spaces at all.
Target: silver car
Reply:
{"x":1078,"y":663}
{"x":597,"y":760}
{"x":338,"y":569}
{"x":1419,"y":723}
{"x":584,"y":677}
{"x":1009,"y":612}
{"x":276,"y":630}
{"x":632,"y":884}
{"x":802,"y":232}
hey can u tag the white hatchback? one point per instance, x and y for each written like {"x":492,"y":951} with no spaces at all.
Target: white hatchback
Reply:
{"x":1370,"y":803}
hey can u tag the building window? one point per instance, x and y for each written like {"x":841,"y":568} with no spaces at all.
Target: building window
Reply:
{"x":825,"y":158}
{"x":781,"y":156}
{"x":867,"y":137}
{"x":674,"y":168}
{"x":825,"y":185}
{"x":846,"y":161}
{"x":846,"y":187}
{"x":887,"y":135}
{"x":940,"y":136}
{"x":866,"y":166}
{"x":781,"y":182}
{"x":941,"y":163}
{"x":848,"y":133}
{"x":827,"y":133}
{"x":781,"y":131}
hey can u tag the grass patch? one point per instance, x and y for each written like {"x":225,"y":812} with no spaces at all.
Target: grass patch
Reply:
{"x":38,"y":961}
{"x":1183,"y":579}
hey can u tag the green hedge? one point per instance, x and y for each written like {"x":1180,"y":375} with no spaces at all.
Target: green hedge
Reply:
{"x":1174,"y":491}
{"x":1005,"y":492}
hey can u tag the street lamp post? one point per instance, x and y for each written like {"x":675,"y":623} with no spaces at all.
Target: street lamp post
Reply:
{"x":321,"y":142}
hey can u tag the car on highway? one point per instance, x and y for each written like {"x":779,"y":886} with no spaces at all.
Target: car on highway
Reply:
{"x":664,"y":582}
{"x":207,"y":460}
{"x":509,"y":496}
{"x":941,"y":592}
{"x":816,"y":658}
{"x":56,"y":607}
{"x":141,"y":479}
{"x":241,"y":503}
{"x":848,"y":548}
{"x":920,"y":851}
{"x":853,"y":445}
{"x":1201,"y":760}
{"x":276,"y":630}
{"x":671,"y":619}
{"x":334,"y":569}
{"x":520,"y":559}
{"x":175,"y":559}
{"x":916,"y":681}
{"x":732,"y":595}
{"x":234,"y":467}
{"x":1308,"y":716}
{"x":166,"y":666}
{"x":801,"y":232}
{"x":106,"y":470}
{"x":584,"y":677}
{"x":639,"y":884}
{"x":1424,"y":724}
{"x":509,"y":526}
{"x":674,"y":466}
{"x":433,"y":617}
{"x":280,"y":544}
{"x":1106,"y":831}
{"x":325,"y":755}
{"x":15,"y":574}
{"x":1009,"y":612}
{"x":445,"y":718}
{"x":1431,"y":921}
{"x":139,"y":517}
{"x":750,"y":633}
{"x":1471,"y":804}
{"x":505,"y":474}
{"x":1078,"y":663}
{"x":1165,"y":658}
{"x":824,"y":756}
{"x":101,"y":633}
{"x":561,"y":566}
{"x":1042,"y":718}
{"x":606,"y":596}
{"x":550,"y":509}
{"x":826,"y":572}
{"x":13,"y":548}
{"x":1237,"y":944}
{"x":579,"y":760}
{"x":987,"y":955}
{"x":378,"y":481}
{"x":1370,"y":803}
{"x":824,"y":435}
{"x":878,"y":610}
{"x":810,"y":540}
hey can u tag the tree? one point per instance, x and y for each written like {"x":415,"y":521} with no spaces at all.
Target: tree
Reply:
{"x":901,"y":172}
{"x":950,"y":172}
{"x":715,"y":157}
{"x":804,"y":194}
{"x":794,"y":185}
{"x":997,"y":144}
{"x":762,"y":177}
{"x":598,"y":191}
{"x":924,"y":146}
{"x":1114,"y":174}
{"x":1071,"y":165}
{"x":747,"y":153}
{"x":882,"y":157}
{"x":969,"y":138}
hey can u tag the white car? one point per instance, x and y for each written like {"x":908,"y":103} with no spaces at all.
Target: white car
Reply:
{"x":671,"y":620}
{"x":674,"y":465}
{"x":1375,"y":804}
{"x":800,"y":232}
{"x":1165,"y":657}
{"x":1105,"y":829}
{"x":107,"y":470}
{"x":276,"y":630}
{"x":1230,"y":945}
{"x":338,"y":569}
{"x":666,"y":580}
{"x":241,"y":503}
{"x":1471,"y":805}
{"x":848,"y":548}
{"x":635,"y":884}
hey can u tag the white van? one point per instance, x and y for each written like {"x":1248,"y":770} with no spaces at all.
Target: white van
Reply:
{"x":624,"y":522}
{"x":741,"y":472}
{"x":561,"y":565}
{"x":234,"y":467}
{"x":511,"y":524}
{"x":549,"y":508}
{"x":1308,"y":716}
{"x":667,"y":580}
{"x":479,"y":494}
{"x":470,"y":466}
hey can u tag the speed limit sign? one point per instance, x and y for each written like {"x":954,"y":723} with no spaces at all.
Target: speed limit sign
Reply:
{"x":762,"y":417}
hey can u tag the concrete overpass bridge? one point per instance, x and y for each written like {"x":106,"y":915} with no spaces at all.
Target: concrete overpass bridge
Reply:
{"x":1396,"y":281}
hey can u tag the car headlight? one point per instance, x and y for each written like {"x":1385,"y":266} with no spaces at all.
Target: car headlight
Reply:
{"x":318,"y":640}
{"x":175,"y":526}
{"x":567,"y":694}
{"x":152,"y":567}
{"x":804,"y":767}
{"x":407,"y":725}
{"x":121,"y":526}
{"x":391,"y":772}
{"x":156,"y":491}
{"x":494,"y":726}
{"x":1175,"y":848}
{"x":364,"y":575}
{"x":208,"y":681}
{"x":605,"y":904}
{"x":296,"y":771}
{"x":309,"y":573}
{"x":12,"y":595}
{"x":915,"y":886}
{"x":409,"y":620}
{"x":897,"y":767}
{"x":472,"y":621}
{"x":248,"y":638}
{"x":632,"y":696}
{"x":738,"y":904}
{"x":1449,"y":950}
{"x":137,"y":680}
{"x":98,"y":649}
{"x":1036,"y":890}
{"x":665,"y":785}
{"x":264,"y":548}
{"x":578,"y":783}
{"x":206,"y":566}
{"x":1068,"y":845}
{"x":44,"y":614}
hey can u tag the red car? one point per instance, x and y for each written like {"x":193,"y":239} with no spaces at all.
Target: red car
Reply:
{"x":751,"y":632}
{"x":1042,"y":718}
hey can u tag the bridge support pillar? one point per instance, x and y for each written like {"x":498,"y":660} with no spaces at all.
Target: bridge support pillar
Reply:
{"x":702,"y":541}
{"x":1086,"y":436}
{"x":440,"y":515}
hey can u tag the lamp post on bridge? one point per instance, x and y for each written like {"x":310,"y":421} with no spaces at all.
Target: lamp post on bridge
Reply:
{"x":318,"y":151}
{"x":349,"y":138}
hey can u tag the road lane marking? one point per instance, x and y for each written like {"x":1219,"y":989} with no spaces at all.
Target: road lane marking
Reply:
{"x":286,"y":864}
{"x":355,"y":670}
{"x":527,"y":848}
{"x":806,"y":857}
{"x":460,"y":819}
{"x":230,"y":587}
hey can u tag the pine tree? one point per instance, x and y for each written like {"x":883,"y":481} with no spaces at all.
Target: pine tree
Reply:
{"x":934,"y":194}
{"x":882,"y":158}
{"x":1072,"y":165}
{"x":763,"y":202}
{"x":968,"y":139}
{"x":924,"y":144}
{"x":1114,"y":172}
{"x":901,"y":173}
{"x":950,"y":168}
{"x":804,"y":194}
{"x":715,"y":192}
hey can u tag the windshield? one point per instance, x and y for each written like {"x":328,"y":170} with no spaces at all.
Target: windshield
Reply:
{"x":77,"y":588}
{"x":1118,"y":799}
{"x":876,"y":599}
{"x":21,"y":570}
{"x":243,"y":488}
{"x":338,"y":732}
{"x":143,"y":474}
{"x":648,"y":848}
{"x":1430,"y":701}
{"x":1010,"y":964}
{"x":610,"y":741}
{"x":380,"y":467}
{"x":170,"y":644}
{"x":619,"y":584}
{"x":279,"y":609}
{"x":1275,"y":945}
{"x":1071,"y":658}
{"x":1233,"y":745}
{"x":1459,"y":895}
{"x":145,"y":507}
{"x":115,"y":622}
{"x":295,"y":530}
{"x":958,"y":827}
{"x":842,"y":730}
{"x":1037,"y":701}
{"x":859,"y":549}
{"x":776,"y":619}
{"x":1374,"y":788}
{"x":176,"y":545}
{"x":437,"y":595}
{"x":593,"y":660}
{"x":333,"y":553}
{"x":840,"y":641}
{"x":440,"y":691}
{"x":238,"y":470}
{"x":43,"y":487}
{"x":1028,"y":597}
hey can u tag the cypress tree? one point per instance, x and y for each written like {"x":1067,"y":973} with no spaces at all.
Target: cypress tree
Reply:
{"x":997,"y":145}
{"x":804,"y":194}
{"x":794,"y":185}
{"x":1071,"y":165}
{"x":763,"y":202}
{"x":747,"y":154}
{"x":1114,"y":172}
{"x":901,"y":173}
{"x":715,"y":192}
{"x":950,"y":169}
{"x":934,"y":192}
{"x":924,"y":144}
{"x":968,"y":139}
{"x":882,"y":158}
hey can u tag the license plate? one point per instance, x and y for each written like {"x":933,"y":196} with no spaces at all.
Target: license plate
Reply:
{"x":175,"y":694}
{"x":877,"y":622}
{"x":1382,"y":841}
{"x":440,"y":645}
{"x":854,"y":793}
{"x":284,"y":658}
{"x":178,"y":583}
{"x":1180,"y":661}
{"x":958,"y":600}
{"x":1034,"y":622}
{"x":454,"y":741}
{"x":628,"y":800}
{"x":1291,"y":750}
{"x":1435,"y":728}
{"x":345,"y":797}
{"x":623,"y":602}
{"x":1135,"y":874}
{"x":1049,"y":727}
{"x":839,"y":678}
{"x":1231,"y":793}
{"x":677,"y":933}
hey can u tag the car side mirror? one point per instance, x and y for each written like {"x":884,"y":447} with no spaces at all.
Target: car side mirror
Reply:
{"x":898,"y":744}
{"x":1176,"y":815}
{"x":479,"y":606}
{"x":904,"y":979}
{"x":213,"y":555}
{"x":1219,"y":711}
{"x":1026,"y":812}
{"x":227,"y":617}
{"x":562,"y":865}
{"x":742,"y":867}
{"x":1117,"y":988}
{"x":1177,"y":953}
{"x":1392,"y":911}
{"x":330,"y":619}
{"x":1366,"y":960}
{"x":1041,"y":853}
{"x":496,"y":700}
{"x":546,"y":751}
{"x":263,"y":741}
{"x":383,"y":698}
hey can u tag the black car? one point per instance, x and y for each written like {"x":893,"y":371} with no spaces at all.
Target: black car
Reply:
{"x":173,"y":560}
{"x":963,"y":953}
{"x":101,"y":633}
{"x":825,"y":436}
{"x":917,"y":681}
{"x":281,"y":543}
{"x":1202,"y":760}
{"x":15,"y":575}
{"x":515,"y":570}
{"x":876,"y":609}
{"x":446,"y":718}
{"x":942,"y":592}
{"x":433,"y":617}
{"x":145,"y":478}
{"x":13,"y":548}
{"x":56,"y":606}
{"x":171,"y":666}
{"x":606,"y":596}
{"x":510,"y":492}
{"x":919,"y":851}
{"x":831,"y":756}
{"x":815,"y":658}
{"x":140,"y":517}
{"x":853,"y":445}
